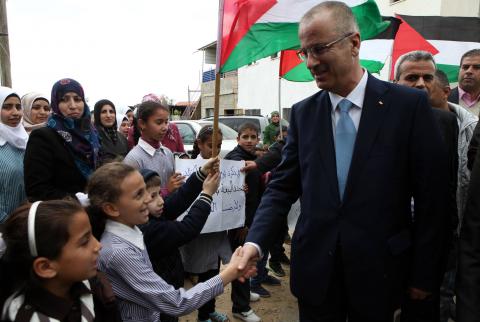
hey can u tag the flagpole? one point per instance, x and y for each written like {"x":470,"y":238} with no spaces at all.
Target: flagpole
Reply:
{"x":216,"y":104}
{"x":280,"y":105}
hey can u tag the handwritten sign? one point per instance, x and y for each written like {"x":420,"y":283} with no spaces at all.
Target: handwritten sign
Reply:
{"x":228,"y":206}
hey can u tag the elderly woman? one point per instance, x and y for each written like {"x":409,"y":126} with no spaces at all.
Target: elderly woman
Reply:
{"x":113,"y":145}
{"x":13,"y":140}
{"x":61,"y":156}
{"x":36,"y":110}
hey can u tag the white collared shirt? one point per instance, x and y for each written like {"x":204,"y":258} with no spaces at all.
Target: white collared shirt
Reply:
{"x":133,"y":235}
{"x":148,"y":148}
{"x":356,"y":96}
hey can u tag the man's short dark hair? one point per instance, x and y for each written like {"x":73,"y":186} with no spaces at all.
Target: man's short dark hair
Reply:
{"x":442,"y":78}
{"x":413,"y":56}
{"x":247,"y":126}
{"x":470,"y":53}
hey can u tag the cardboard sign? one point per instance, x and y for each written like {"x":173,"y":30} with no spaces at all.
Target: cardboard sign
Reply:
{"x":228,"y":206}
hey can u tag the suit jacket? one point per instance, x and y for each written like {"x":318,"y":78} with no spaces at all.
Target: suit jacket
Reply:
{"x":454,"y":96}
{"x":49,"y":167}
{"x":468,"y":276}
{"x":448,"y":124}
{"x":398,"y":154}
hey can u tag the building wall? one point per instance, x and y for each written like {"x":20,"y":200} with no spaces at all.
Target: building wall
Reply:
{"x":462,"y":8}
{"x":228,"y":95}
{"x":258,"y":87}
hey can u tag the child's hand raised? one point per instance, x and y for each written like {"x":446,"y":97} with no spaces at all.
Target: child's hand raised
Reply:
{"x":231,"y":272}
{"x":212,"y":165}
{"x":175,"y":181}
{"x":211,"y":183}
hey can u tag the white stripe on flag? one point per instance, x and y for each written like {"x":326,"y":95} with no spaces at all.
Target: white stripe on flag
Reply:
{"x":293,"y":10}
{"x":376,"y":49}
{"x":450,"y":52}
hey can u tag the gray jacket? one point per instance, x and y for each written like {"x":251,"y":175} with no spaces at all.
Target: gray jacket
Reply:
{"x":466,"y":125}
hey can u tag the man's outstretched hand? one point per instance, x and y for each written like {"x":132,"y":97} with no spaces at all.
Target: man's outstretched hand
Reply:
{"x":248,"y":254}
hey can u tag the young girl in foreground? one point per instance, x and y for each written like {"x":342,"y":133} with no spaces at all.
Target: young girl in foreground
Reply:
{"x":50,"y":250}
{"x":117,"y":191}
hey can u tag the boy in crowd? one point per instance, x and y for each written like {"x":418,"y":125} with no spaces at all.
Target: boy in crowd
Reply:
{"x":248,"y":138}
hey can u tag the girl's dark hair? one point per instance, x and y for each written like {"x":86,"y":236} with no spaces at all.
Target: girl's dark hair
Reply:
{"x":204,"y":134}
{"x":52,"y":222}
{"x":104,"y":186}
{"x":144,"y":111}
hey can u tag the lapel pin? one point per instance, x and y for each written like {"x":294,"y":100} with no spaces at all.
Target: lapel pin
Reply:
{"x":380,"y":103}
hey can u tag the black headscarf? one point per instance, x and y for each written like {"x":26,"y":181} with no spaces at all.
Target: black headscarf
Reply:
{"x":97,"y":109}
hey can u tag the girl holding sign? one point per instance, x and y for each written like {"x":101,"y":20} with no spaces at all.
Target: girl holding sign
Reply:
{"x":202,"y":255}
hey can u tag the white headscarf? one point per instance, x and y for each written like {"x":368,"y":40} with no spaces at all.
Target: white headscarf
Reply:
{"x":16,"y":136}
{"x":27,"y":102}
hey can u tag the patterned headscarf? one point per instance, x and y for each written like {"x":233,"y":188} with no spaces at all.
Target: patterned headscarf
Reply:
{"x":97,"y":111}
{"x":16,"y":136}
{"x":79,"y":135}
{"x":27,"y":103}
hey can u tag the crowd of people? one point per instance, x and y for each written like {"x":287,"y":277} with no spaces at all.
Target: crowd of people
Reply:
{"x":387,"y":177}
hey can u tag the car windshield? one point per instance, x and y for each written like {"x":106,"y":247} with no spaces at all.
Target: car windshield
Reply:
{"x":228,"y":133}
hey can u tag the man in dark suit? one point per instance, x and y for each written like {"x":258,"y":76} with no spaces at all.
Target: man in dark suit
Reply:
{"x":417,"y":69}
{"x":356,"y":154}
{"x":468,"y":277}
{"x":467,"y":93}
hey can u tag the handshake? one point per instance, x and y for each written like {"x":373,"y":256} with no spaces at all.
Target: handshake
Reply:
{"x":242,"y":266}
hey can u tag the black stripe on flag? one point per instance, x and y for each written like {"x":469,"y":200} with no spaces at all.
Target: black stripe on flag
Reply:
{"x":391,"y":31}
{"x":446,"y":28}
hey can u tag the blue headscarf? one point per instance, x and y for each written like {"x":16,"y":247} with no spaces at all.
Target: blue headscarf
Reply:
{"x":80,"y":135}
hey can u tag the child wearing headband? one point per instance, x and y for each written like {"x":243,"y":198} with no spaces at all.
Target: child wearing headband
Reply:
{"x":118,"y":193}
{"x":48,"y":271}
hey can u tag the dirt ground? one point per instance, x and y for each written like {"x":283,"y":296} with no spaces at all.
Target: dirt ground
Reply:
{"x":280,"y":307}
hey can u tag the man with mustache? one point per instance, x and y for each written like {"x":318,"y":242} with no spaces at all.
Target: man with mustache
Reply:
{"x":467,"y":94}
{"x":356,"y":153}
{"x":417,"y":69}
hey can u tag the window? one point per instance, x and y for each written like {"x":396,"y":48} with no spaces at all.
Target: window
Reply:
{"x":252,"y":111}
{"x":187,"y":133}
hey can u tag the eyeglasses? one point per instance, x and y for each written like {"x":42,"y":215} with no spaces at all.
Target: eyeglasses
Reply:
{"x":317,"y":50}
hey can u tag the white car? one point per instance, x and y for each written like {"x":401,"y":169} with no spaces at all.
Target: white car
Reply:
{"x":189,"y":131}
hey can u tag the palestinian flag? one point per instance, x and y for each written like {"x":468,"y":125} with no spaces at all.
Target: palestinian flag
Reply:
{"x":447,"y":38}
{"x":254,"y":29}
{"x":373,"y":54}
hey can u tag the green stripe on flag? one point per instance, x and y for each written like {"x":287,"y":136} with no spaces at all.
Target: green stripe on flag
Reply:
{"x":301,"y":74}
{"x":262,"y":40}
{"x":265,"y":39}
{"x":371,"y":65}
{"x":369,"y":20}
{"x":450,"y":70}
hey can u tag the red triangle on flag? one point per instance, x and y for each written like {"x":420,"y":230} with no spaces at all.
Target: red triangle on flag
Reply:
{"x":238,"y":17}
{"x":408,"y":39}
{"x":288,"y":61}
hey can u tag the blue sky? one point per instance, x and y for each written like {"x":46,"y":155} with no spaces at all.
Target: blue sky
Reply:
{"x":118,"y":50}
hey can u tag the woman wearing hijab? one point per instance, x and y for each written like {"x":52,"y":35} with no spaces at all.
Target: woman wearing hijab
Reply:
{"x":36,"y":110}
{"x":13,"y":140}
{"x":123,"y":125}
{"x":61,"y":156}
{"x":112,"y":144}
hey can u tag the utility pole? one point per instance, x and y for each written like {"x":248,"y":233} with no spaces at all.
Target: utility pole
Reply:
{"x":6,"y":77}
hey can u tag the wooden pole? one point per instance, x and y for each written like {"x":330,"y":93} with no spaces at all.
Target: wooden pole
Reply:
{"x":216,"y":104}
{"x":6,"y":77}
{"x":216,"y":109}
